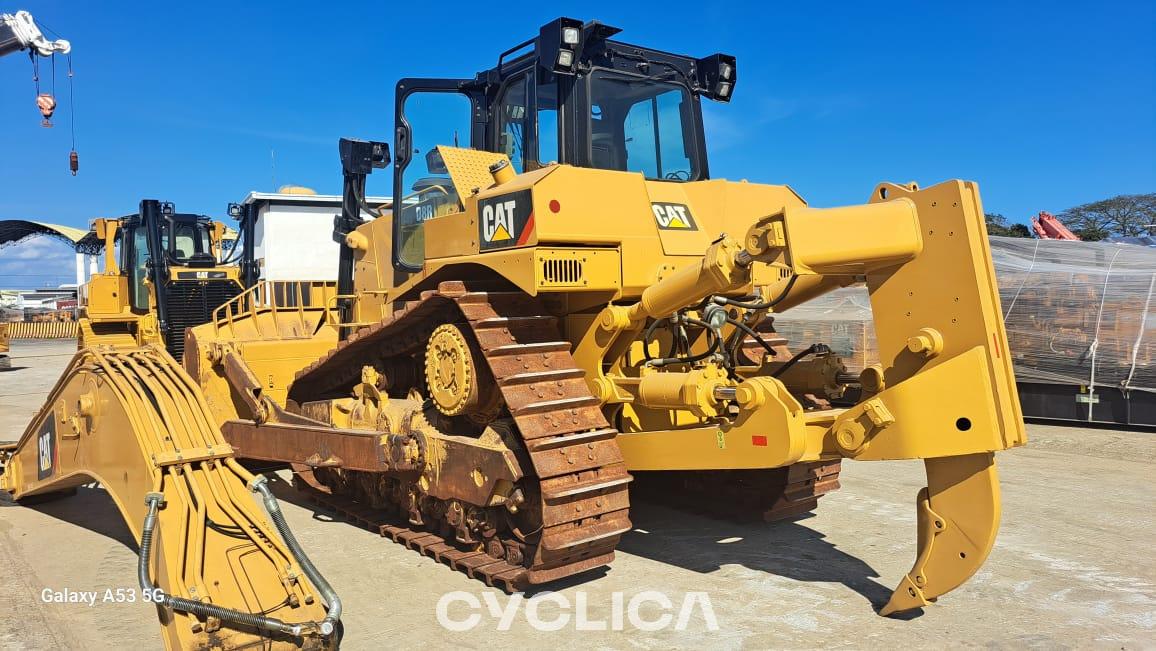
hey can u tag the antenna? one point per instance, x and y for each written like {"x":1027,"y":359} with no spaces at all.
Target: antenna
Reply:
{"x":273,"y":167}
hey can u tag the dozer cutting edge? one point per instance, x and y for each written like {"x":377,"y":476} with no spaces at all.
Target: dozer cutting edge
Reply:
{"x":125,"y":414}
{"x":571,"y":303}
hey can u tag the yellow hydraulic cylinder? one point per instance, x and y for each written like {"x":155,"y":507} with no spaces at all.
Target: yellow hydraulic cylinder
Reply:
{"x":852,"y":239}
{"x":719,"y":271}
{"x":693,"y":390}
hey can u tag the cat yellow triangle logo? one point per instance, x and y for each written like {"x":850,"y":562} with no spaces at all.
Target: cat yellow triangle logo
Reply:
{"x":673,"y":216}
{"x":498,"y":219}
{"x":500,"y":233}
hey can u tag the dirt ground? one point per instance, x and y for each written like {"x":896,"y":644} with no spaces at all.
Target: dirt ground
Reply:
{"x":1073,"y":566}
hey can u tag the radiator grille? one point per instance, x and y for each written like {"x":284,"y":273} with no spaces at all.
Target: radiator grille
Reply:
{"x":191,"y":303}
{"x":566,"y":271}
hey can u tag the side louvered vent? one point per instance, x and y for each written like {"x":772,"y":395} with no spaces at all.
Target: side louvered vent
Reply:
{"x":562,"y":272}
{"x":191,"y":304}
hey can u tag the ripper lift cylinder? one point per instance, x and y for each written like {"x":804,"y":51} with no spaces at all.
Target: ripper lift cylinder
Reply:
{"x":873,"y":236}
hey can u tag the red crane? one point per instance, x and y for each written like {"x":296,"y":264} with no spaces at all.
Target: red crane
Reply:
{"x":1048,"y":227}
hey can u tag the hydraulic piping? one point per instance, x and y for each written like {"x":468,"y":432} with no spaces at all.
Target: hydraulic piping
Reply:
{"x":326,"y":627}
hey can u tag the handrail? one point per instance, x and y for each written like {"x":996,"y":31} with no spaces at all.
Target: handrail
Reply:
{"x":278,"y":297}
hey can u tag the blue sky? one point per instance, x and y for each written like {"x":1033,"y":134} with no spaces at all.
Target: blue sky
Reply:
{"x":1046,"y":104}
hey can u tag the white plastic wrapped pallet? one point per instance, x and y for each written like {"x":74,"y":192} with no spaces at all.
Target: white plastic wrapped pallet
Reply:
{"x":1076,"y":313}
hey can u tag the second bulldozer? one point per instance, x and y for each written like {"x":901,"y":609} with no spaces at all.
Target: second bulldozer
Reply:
{"x":164,"y":271}
{"x":573,"y":300}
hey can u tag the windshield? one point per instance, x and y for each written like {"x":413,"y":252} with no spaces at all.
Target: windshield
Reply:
{"x":190,"y":240}
{"x":641,"y":125}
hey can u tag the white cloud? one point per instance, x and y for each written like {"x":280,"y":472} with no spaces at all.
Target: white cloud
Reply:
{"x":37,"y":262}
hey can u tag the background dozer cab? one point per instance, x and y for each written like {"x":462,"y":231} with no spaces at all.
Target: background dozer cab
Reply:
{"x":164,"y":272}
{"x":573,"y":297}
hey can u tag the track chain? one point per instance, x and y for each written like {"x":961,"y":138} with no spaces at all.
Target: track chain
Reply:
{"x":745,"y":495}
{"x":577,"y":486}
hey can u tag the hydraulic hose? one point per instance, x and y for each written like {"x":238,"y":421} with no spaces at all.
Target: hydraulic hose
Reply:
{"x":811,"y":350}
{"x":329,"y":624}
{"x":153,"y":500}
{"x":723,"y":300}
{"x":754,"y":335}
{"x":715,"y":342}
{"x":260,"y":485}
{"x":646,"y":339}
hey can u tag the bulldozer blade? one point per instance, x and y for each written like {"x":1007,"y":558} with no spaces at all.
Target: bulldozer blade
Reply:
{"x":958,"y":517}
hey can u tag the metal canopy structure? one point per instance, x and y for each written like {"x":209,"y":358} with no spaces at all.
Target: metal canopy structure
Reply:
{"x":13,"y":231}
{"x":18,"y":230}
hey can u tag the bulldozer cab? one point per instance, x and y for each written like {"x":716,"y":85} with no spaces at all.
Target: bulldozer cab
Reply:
{"x":152,"y":246}
{"x":570,"y":95}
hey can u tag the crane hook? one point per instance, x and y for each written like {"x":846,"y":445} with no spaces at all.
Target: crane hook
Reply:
{"x":47,"y":105}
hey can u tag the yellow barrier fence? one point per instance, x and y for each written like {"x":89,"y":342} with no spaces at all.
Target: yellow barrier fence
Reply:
{"x":42,"y":329}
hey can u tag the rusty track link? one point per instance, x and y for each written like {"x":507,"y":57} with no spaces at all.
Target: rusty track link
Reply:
{"x":576,"y":485}
{"x":389,"y":524}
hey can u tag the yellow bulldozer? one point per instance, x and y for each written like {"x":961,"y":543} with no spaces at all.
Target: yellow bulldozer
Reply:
{"x":560,"y":302}
{"x":164,"y":271}
{"x":572,"y":302}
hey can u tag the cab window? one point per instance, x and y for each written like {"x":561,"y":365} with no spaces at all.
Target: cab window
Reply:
{"x":435,"y":118}
{"x":547,"y":96}
{"x":641,"y":125}
{"x":189,"y":241}
{"x":512,"y":122}
{"x":136,"y":264}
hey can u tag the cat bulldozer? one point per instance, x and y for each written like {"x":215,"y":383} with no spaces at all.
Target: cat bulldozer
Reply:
{"x":568,"y":305}
{"x":220,"y":573}
{"x":164,"y":271}
{"x":571,"y":303}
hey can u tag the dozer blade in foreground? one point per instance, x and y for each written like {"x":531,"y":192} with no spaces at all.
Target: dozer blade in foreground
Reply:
{"x":220,"y":577}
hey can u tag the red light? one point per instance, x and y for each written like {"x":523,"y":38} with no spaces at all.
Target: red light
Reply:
{"x":555,"y":206}
{"x":760,"y":441}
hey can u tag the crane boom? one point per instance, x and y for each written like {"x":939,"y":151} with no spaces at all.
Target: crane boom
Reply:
{"x":19,"y":32}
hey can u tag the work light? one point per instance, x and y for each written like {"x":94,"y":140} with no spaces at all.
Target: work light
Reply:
{"x":717,"y":75}
{"x":560,"y":45}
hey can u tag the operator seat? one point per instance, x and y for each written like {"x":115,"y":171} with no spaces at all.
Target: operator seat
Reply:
{"x":605,"y":153}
